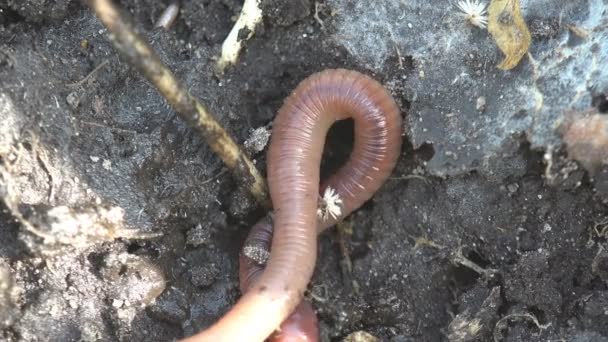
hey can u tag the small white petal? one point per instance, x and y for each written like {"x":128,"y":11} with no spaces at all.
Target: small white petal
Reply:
{"x":474,"y":12}
{"x":330,"y":206}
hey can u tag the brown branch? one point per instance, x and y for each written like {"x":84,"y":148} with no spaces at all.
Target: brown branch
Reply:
{"x":141,"y":57}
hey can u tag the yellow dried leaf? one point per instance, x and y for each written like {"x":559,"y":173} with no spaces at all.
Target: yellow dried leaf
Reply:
{"x":509,"y":30}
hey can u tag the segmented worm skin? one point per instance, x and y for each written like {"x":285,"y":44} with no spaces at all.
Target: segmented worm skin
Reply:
{"x":294,"y":159}
{"x":302,"y":324}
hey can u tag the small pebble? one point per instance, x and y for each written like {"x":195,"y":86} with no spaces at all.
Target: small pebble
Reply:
{"x":512,"y":187}
{"x":204,"y":275}
{"x":198,"y":235}
{"x":360,"y":336}
{"x":172,"y":306}
{"x":73,"y":100}
{"x":481,"y":103}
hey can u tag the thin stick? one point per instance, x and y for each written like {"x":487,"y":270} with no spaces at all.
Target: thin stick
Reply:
{"x":141,"y":57}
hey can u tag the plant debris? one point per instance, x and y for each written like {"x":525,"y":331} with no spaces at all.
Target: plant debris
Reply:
{"x":509,"y":30}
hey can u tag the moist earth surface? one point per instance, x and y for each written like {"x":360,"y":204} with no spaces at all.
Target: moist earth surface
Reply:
{"x":118,"y":223}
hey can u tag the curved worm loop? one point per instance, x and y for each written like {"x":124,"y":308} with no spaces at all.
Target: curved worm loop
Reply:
{"x":294,"y":159}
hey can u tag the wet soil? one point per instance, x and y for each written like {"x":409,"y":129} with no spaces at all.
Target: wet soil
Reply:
{"x":136,"y":226}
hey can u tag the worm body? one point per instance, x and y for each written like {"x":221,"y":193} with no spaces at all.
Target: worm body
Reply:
{"x":294,"y":159}
{"x":301,"y":325}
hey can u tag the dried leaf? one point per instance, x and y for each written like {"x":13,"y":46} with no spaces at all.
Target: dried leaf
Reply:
{"x":509,"y":30}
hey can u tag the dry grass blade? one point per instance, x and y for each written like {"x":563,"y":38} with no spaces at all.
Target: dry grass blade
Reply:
{"x":141,"y":57}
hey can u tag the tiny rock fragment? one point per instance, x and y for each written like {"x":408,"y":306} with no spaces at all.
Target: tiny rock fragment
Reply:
{"x":168,"y":16}
{"x":200,"y":234}
{"x":586,"y":137}
{"x":509,"y":30}
{"x":512,"y":187}
{"x":462,"y":329}
{"x":171,"y":306}
{"x":107,"y":164}
{"x":117,"y":303}
{"x":204,"y":275}
{"x":73,"y":100}
{"x":135,"y":280}
{"x":256,"y":253}
{"x":258,"y":140}
{"x":480,"y":104}
{"x":360,"y":336}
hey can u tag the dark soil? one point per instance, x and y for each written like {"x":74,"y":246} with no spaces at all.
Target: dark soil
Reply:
{"x":517,"y":257}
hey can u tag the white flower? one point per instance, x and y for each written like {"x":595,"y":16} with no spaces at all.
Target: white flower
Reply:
{"x":474,"y":12}
{"x":330,"y":206}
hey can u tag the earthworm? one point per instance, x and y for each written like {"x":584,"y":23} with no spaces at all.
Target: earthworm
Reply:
{"x":294,"y":158}
{"x":302,"y":324}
